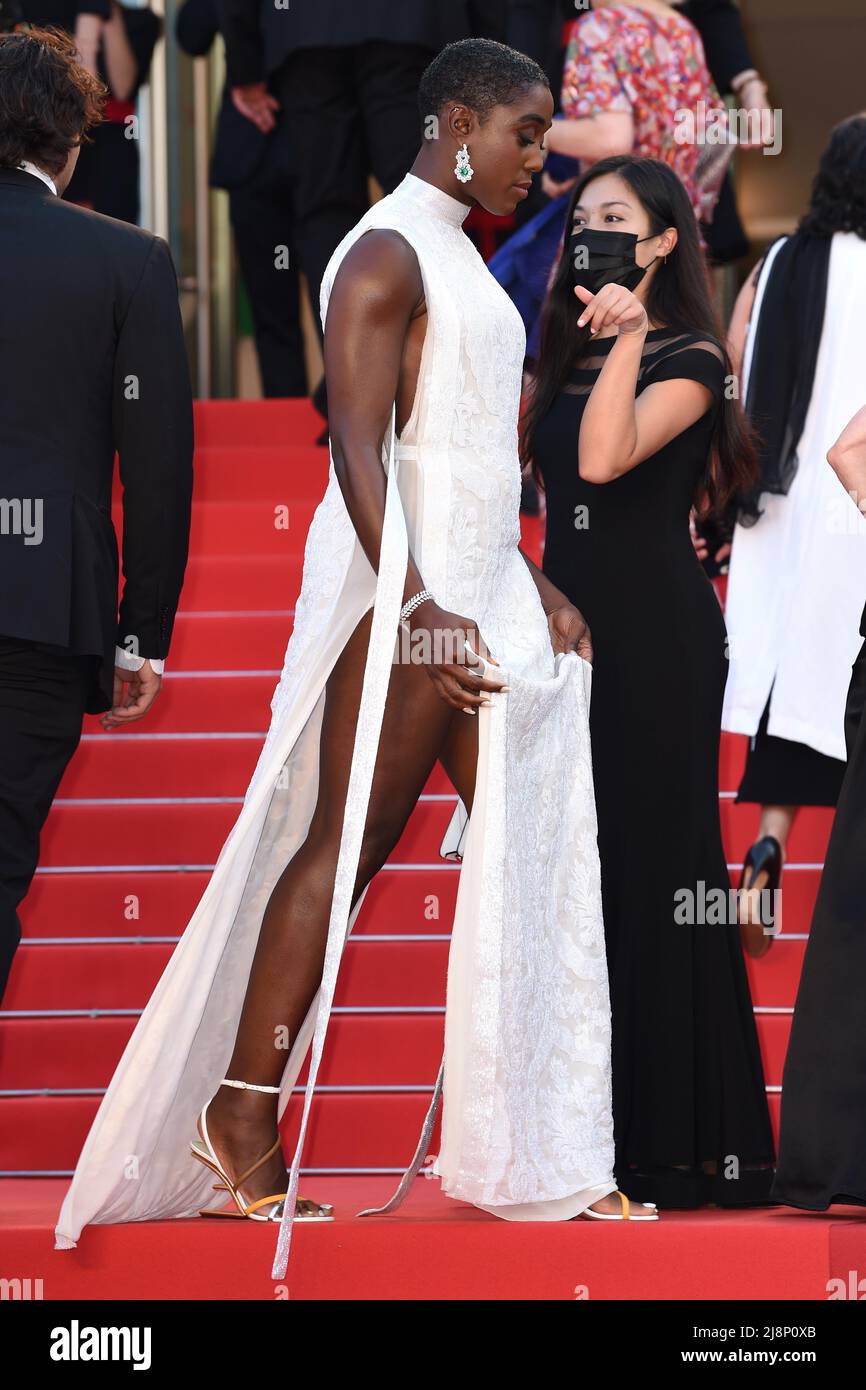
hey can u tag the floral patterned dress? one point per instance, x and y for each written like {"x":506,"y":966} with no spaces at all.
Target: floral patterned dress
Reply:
{"x":652,"y":67}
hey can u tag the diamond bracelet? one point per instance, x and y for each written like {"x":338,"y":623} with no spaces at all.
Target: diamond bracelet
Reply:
{"x":414,"y":602}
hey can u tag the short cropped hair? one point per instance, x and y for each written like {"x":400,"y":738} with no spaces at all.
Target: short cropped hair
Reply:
{"x":48,"y":101}
{"x":478,"y":73}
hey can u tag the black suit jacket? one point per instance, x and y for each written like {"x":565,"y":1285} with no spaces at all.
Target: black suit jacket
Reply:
{"x":534,"y":26}
{"x":259,"y":36}
{"x":239,"y":147}
{"x":92,"y":360}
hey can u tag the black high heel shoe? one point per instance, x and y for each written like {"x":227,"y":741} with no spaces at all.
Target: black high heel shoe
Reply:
{"x":765,"y":857}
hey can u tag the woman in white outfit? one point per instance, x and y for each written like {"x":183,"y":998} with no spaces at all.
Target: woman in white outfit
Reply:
{"x":798,"y":564}
{"x":423,"y":355}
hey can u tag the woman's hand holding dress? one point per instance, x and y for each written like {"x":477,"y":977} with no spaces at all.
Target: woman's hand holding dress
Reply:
{"x":443,"y":652}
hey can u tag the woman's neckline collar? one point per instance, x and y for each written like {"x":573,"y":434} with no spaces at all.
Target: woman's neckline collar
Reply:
{"x":440,"y":203}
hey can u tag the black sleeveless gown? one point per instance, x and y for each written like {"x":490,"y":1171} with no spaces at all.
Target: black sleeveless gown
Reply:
{"x":688,"y":1084}
{"x":822,"y":1145}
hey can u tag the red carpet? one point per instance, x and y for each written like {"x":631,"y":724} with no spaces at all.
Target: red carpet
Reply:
{"x":139,"y":821}
{"x":434,"y":1248}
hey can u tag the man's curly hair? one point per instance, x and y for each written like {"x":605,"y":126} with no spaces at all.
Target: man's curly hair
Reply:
{"x":838,"y":202}
{"x":48,"y":101}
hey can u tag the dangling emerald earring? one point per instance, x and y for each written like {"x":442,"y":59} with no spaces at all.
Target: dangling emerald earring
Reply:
{"x":463,"y":169}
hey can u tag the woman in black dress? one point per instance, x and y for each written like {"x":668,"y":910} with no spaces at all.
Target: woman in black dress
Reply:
{"x":629,"y":422}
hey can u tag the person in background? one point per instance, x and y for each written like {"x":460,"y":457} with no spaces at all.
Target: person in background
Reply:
{"x":93,"y":363}
{"x":822,"y":1144}
{"x":83,"y":19}
{"x":628,"y":69}
{"x":541,"y":28}
{"x":253,"y":167}
{"x":798,"y":564}
{"x":344,"y":78}
{"x":106,"y":176}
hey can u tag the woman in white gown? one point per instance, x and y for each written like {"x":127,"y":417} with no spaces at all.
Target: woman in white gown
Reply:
{"x":798,"y":564}
{"x":423,"y":356}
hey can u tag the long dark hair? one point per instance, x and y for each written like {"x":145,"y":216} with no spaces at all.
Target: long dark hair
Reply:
{"x":838,"y":202}
{"x":679,"y":298}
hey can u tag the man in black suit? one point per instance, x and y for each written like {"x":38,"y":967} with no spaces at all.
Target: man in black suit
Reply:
{"x":92,"y":360}
{"x":254,"y":169}
{"x":344,"y":76}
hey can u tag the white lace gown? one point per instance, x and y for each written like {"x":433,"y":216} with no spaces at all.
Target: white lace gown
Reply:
{"x":525,"y":1082}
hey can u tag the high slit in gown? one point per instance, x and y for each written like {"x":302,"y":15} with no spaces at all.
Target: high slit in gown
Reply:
{"x":525,"y":1078}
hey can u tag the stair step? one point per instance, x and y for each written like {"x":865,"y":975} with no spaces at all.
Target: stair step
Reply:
{"x":256,"y":424}
{"x":249,"y":640}
{"x":272,"y":473}
{"x":232,"y":703}
{"x":143,"y":764}
{"x":413,"y":901}
{"x":372,"y":975}
{"x":45,"y":1134}
{"x":171,"y":832}
{"x":265,"y":526}
{"x":347,"y":1132}
{"x":364,"y":1049}
{"x":190,"y":833}
{"x":242,"y":581}
{"x":133,"y":764}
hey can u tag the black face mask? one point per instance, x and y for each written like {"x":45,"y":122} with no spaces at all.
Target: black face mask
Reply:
{"x":610,"y":257}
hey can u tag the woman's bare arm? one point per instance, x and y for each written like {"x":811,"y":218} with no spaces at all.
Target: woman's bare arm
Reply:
{"x":88,"y":32}
{"x":120,"y":61}
{"x":618,"y":429}
{"x":847,"y":458}
{"x":592,"y":137}
{"x":739,"y":323}
{"x":377,"y":291}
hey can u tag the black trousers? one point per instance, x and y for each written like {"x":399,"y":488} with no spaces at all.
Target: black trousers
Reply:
{"x":43,"y":692}
{"x":262,"y":218}
{"x":348,"y":113}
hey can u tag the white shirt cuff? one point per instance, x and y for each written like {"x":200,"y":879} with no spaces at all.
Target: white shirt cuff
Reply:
{"x":128,"y":662}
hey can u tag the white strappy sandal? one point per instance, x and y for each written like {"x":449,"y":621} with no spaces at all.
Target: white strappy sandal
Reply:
{"x":650,"y":1215}
{"x":203,"y":1150}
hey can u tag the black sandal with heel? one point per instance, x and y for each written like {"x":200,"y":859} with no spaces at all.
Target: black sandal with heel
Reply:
{"x":765,"y":857}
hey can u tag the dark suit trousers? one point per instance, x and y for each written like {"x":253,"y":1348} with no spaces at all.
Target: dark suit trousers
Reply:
{"x":261,"y":217}
{"x":43,"y":690}
{"x":349,"y":112}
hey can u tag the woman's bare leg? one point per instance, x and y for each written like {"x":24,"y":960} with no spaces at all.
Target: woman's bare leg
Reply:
{"x":287,"y":966}
{"x":777,"y":821}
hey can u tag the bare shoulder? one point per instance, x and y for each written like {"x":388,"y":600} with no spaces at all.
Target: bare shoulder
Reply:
{"x":379,"y":271}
